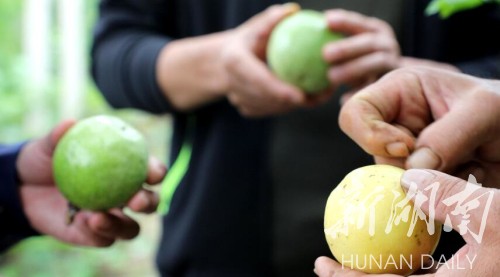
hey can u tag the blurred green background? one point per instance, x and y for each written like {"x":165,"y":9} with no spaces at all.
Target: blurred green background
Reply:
{"x":44,"y":78}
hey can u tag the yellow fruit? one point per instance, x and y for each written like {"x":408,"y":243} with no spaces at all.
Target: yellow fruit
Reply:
{"x":371,"y":226}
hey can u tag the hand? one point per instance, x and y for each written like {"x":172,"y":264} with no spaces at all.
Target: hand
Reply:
{"x":46,"y":208}
{"x":429,"y":118}
{"x":252,"y":87}
{"x":369,"y":51}
{"x":475,"y":258}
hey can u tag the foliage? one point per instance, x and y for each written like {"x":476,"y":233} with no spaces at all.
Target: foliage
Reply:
{"x":11,"y":70}
{"x":446,"y":8}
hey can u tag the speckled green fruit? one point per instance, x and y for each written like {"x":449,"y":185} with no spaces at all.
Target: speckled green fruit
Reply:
{"x":294,"y":51}
{"x":100,"y":163}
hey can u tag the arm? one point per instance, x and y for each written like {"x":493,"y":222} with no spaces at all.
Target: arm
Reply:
{"x":135,"y":64}
{"x":190,"y":72}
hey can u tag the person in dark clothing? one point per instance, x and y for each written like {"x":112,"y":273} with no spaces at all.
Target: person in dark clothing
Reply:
{"x":30,"y":204}
{"x":253,"y":167}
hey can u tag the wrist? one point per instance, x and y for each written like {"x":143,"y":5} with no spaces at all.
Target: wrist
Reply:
{"x":221,"y":83}
{"x":190,"y":71}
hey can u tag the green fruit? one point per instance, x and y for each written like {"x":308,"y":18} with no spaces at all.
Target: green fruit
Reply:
{"x":100,"y":163}
{"x":294,"y":51}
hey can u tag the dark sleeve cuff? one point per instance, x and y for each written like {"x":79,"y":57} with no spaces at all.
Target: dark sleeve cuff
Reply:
{"x":13,"y":222}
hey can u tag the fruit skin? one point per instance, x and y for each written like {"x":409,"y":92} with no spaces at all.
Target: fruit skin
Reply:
{"x":294,"y":50}
{"x":100,"y":163}
{"x":355,"y":246}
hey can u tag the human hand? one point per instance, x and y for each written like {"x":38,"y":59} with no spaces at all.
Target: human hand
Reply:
{"x":46,"y":208}
{"x":252,"y":87}
{"x":479,"y":256}
{"x":369,"y":51}
{"x":429,"y":118}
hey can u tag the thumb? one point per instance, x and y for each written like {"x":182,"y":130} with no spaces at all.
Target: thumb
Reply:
{"x":462,"y":139}
{"x":453,"y":139}
{"x":260,"y":26}
{"x":36,"y":156}
{"x":275,"y":13}
{"x":58,"y":132}
{"x":463,"y":206}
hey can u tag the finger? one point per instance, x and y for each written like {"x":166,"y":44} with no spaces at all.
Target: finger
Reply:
{"x":263,"y":24}
{"x":446,"y":197}
{"x":81,"y":233}
{"x":113,"y":226}
{"x":351,"y":72}
{"x":357,"y":46}
{"x":156,"y":171}
{"x":248,"y":104}
{"x":326,"y":267}
{"x":37,"y":154}
{"x":253,"y":80}
{"x":144,"y":201}
{"x":368,"y":115}
{"x":58,"y":132}
{"x":353,"y":23}
{"x":268,"y":19}
{"x":463,"y":136}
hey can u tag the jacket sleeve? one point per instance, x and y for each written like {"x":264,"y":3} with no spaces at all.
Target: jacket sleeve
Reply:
{"x":14,"y":225}
{"x":127,"y":40}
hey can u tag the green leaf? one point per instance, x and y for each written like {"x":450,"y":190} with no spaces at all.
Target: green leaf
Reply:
{"x":446,"y":8}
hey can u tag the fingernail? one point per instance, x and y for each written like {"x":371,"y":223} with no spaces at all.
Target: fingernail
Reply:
{"x":397,"y":149}
{"x":417,"y":176}
{"x":291,"y":6}
{"x":424,"y":158}
{"x":157,"y":165}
